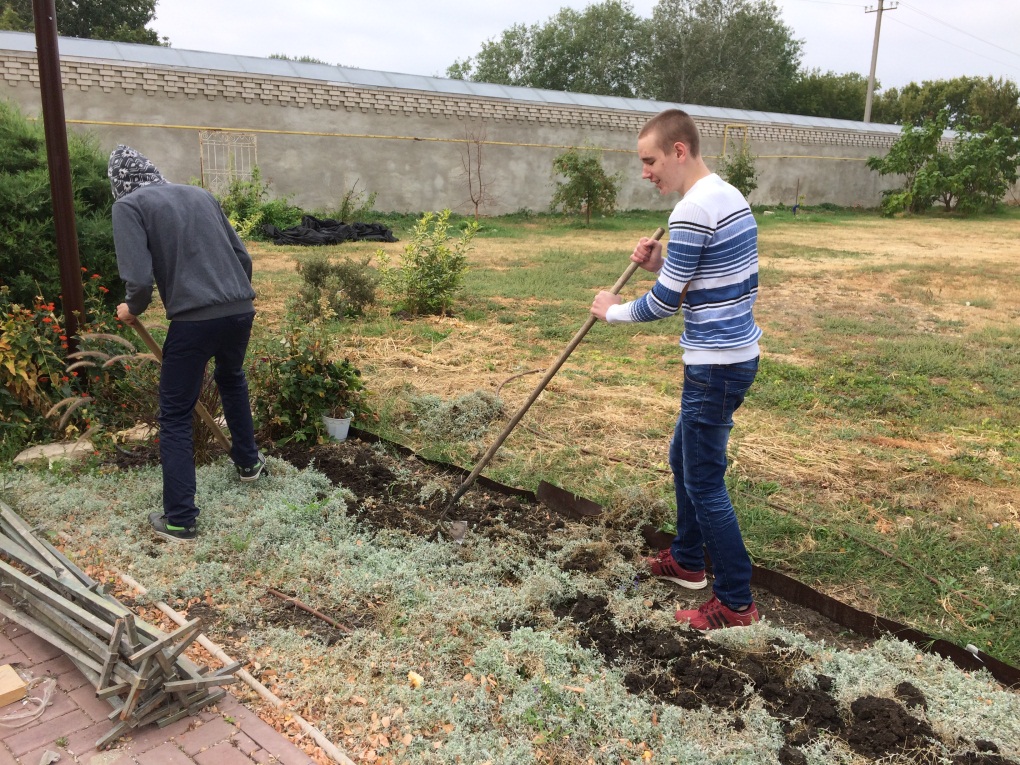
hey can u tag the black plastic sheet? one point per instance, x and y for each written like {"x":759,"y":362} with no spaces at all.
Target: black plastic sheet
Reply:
{"x":316,"y":232}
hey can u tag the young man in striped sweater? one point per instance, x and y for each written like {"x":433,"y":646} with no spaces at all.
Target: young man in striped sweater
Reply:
{"x":710,"y":270}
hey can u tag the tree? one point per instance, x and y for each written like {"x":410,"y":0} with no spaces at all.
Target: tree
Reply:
{"x":478,"y":182}
{"x":506,"y":61}
{"x":973,"y":173}
{"x":735,"y":53}
{"x":965,"y":99}
{"x":915,"y":148}
{"x":598,"y":50}
{"x":118,"y":20}
{"x":981,"y":168}
{"x":738,"y":170}
{"x":589,"y":189}
{"x":712,"y":52}
{"x":836,"y":96}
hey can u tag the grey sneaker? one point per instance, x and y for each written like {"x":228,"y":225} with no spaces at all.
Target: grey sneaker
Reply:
{"x":247,"y":474}
{"x":174,"y":533}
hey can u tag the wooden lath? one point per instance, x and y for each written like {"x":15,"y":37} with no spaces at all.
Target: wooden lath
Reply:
{"x":139,"y":669}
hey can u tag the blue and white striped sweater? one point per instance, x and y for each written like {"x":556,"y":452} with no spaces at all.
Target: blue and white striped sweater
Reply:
{"x":713,"y":247}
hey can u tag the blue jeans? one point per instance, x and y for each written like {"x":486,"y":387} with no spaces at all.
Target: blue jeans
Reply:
{"x":189,"y":346}
{"x":704,"y":514}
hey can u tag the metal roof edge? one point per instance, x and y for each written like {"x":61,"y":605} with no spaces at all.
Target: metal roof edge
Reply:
{"x":156,"y":55}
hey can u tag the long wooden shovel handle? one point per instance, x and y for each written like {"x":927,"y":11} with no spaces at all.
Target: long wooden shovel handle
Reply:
{"x":203,"y":413}
{"x":624,"y":278}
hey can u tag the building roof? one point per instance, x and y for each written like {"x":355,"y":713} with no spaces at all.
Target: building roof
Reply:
{"x":155,"y":55}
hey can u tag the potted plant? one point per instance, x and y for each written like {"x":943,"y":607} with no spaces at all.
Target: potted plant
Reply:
{"x":297,"y":383}
{"x":347,"y":394}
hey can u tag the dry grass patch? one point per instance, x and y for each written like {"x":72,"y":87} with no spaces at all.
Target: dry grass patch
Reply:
{"x":908,"y":238}
{"x":922,"y":263}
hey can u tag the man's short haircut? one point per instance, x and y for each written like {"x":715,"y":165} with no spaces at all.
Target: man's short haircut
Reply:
{"x":674,"y":126}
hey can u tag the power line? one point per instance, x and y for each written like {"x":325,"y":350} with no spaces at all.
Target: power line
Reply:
{"x":927,"y":15}
{"x":948,"y":42}
{"x":830,"y":2}
{"x":961,"y":31}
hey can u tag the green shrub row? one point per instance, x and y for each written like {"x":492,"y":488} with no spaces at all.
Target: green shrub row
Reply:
{"x":29,"y":266}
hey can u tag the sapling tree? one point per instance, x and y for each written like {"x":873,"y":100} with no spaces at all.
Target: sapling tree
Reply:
{"x":354,"y":206}
{"x":739,"y":171}
{"x":588,"y":188}
{"x":432,"y":270}
{"x":479,"y":184}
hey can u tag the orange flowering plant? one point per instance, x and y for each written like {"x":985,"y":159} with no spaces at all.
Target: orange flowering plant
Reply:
{"x":40,"y":380}
{"x":31,"y":362}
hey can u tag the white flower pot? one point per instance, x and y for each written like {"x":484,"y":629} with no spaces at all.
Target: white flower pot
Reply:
{"x":337,"y":427}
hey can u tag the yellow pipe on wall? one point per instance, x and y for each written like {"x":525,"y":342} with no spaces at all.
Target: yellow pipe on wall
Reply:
{"x":418,"y":138}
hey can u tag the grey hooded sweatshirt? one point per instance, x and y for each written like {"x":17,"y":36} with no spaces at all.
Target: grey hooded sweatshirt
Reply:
{"x":178,"y":237}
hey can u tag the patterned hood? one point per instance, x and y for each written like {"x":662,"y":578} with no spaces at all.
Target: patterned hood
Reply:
{"x":128,"y":170}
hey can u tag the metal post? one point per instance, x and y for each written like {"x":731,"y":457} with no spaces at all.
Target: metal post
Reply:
{"x":73,"y":299}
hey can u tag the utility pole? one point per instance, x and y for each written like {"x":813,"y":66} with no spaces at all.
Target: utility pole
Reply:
{"x":874,"y":53}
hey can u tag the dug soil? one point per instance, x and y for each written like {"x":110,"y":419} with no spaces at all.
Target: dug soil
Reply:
{"x":396,"y":490}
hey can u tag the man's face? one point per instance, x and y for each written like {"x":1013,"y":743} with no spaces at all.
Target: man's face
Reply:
{"x":664,"y":170}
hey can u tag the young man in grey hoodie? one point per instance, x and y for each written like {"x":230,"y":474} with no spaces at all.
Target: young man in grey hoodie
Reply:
{"x":178,"y":237}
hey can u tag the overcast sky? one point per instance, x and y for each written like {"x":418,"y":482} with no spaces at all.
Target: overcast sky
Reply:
{"x":920,"y":39}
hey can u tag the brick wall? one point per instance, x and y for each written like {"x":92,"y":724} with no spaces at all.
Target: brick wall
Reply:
{"x":98,"y":91}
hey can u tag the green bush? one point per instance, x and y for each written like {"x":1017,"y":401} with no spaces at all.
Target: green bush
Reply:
{"x":29,"y":266}
{"x":295,"y":380}
{"x":588,"y":189}
{"x":972,"y":174}
{"x":248,"y":207}
{"x":346,"y":287}
{"x":738,"y":170}
{"x":432,"y":271}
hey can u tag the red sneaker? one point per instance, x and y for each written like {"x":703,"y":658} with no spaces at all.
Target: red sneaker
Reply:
{"x":663,"y":566}
{"x":714,"y":615}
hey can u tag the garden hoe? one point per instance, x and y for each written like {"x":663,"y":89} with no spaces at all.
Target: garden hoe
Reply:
{"x":203,"y":413}
{"x":456,"y":529}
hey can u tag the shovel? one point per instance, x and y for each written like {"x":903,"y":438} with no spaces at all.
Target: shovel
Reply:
{"x":203,"y":413}
{"x":459,"y":528}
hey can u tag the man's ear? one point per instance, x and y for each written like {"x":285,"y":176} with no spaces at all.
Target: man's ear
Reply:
{"x":680,"y":150}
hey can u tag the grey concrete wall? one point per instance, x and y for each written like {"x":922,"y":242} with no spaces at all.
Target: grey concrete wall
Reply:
{"x":316,"y":138}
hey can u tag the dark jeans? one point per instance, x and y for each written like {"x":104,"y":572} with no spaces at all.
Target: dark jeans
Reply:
{"x":189,"y":346}
{"x":697,"y":455}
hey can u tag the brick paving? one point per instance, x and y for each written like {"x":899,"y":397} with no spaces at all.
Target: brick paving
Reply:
{"x":76,"y":719}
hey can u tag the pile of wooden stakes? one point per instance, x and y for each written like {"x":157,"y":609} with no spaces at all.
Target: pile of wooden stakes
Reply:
{"x":140,"y":670}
